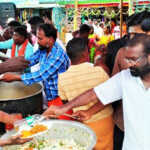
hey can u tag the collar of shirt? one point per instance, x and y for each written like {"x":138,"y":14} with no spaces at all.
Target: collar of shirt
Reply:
{"x":139,"y":80}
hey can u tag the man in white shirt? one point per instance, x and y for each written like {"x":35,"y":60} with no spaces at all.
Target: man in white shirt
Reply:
{"x":133,"y":87}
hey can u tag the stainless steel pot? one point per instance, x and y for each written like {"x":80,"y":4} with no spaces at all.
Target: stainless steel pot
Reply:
{"x":16,"y":97}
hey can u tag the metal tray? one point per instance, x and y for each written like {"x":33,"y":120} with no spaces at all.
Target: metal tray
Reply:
{"x":63,"y":129}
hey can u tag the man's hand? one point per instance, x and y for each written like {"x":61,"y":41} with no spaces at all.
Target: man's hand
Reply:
{"x":13,"y":118}
{"x":9,"y":77}
{"x":54,"y":110}
{"x":9,"y":118}
{"x":16,"y":64}
{"x":14,"y":141}
{"x":18,"y":140}
{"x":82,"y":115}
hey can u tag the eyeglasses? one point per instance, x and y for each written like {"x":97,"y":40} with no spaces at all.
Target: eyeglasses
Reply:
{"x":129,"y":60}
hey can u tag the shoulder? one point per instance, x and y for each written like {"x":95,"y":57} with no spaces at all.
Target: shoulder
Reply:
{"x":101,"y":72}
{"x":29,"y":49}
{"x":60,"y":44}
{"x":65,"y":76}
{"x":29,"y":45}
{"x":125,"y":74}
{"x":10,"y":41}
{"x":58,"y":51}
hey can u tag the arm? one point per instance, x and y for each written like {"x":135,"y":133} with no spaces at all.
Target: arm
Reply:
{"x":4,"y":117}
{"x":17,"y":64}
{"x":7,"y":118}
{"x":9,"y":77}
{"x":81,"y":100}
{"x":4,"y":142}
{"x":13,"y":65}
{"x":95,"y":108}
{"x":46,"y":70}
{"x":113,"y":86}
{"x":6,"y":44}
{"x":14,"y":140}
{"x":3,"y":68}
{"x":84,"y":115}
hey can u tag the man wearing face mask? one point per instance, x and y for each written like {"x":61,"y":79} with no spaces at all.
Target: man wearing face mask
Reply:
{"x":132,"y":86}
{"x":52,"y":59}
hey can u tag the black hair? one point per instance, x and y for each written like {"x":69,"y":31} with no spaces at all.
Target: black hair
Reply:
{"x":112,"y":50}
{"x":92,"y":29}
{"x":86,"y":18}
{"x":84,"y":28}
{"x":114,"y":20}
{"x":101,"y":24}
{"x":47,"y":14}
{"x":137,"y":18}
{"x":49,"y":30}
{"x":75,"y":47}
{"x":145,"y":25}
{"x":140,"y":39}
{"x":22,"y":31}
{"x":108,"y":29}
{"x":24,"y":26}
{"x":36,"y":20}
{"x":14,"y":23}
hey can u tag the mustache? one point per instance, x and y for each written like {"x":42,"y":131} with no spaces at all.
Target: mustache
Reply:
{"x":140,"y":72}
{"x":42,"y":47}
{"x":134,"y":69}
{"x":135,"y":72}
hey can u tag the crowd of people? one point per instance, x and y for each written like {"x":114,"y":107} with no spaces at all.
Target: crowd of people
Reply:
{"x":101,"y":80}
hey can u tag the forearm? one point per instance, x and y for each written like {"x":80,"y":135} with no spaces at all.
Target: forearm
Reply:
{"x":81,"y":100}
{"x":4,"y":117}
{"x":3,"y":68}
{"x":4,"y":142}
{"x":95,"y":108}
{"x":38,"y":76}
{"x":17,"y":77}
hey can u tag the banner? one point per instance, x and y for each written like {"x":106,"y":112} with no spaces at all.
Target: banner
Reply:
{"x":67,"y":2}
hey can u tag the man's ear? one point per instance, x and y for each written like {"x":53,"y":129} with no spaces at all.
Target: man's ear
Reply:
{"x":51,"y":40}
{"x":149,"y":58}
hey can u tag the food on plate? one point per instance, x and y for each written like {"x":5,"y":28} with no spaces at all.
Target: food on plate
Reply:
{"x":25,"y":133}
{"x":53,"y":144}
{"x":38,"y":128}
{"x":34,"y":130}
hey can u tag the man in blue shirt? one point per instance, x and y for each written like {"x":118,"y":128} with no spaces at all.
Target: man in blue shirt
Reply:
{"x":52,"y":59}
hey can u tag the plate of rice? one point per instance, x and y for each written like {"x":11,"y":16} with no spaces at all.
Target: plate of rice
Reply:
{"x":60,"y":135}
